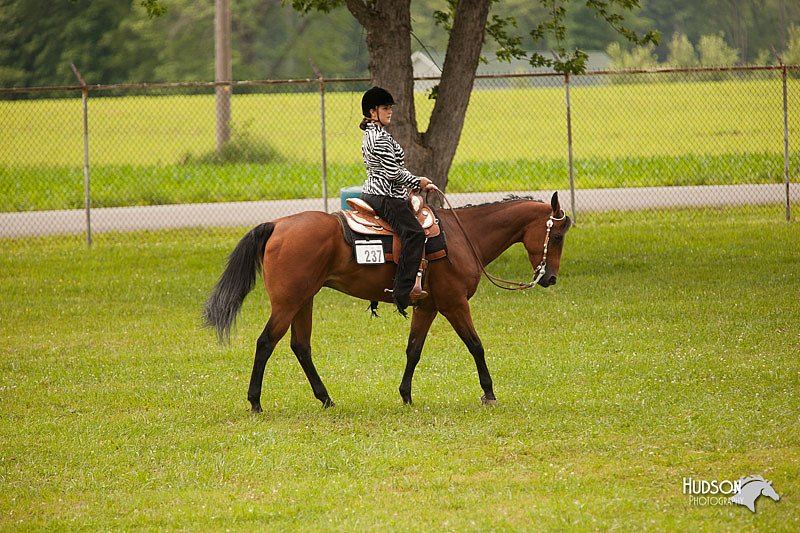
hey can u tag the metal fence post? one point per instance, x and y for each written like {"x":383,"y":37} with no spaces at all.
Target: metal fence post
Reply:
{"x":87,"y":199}
{"x":324,"y":136}
{"x":784,"y":75}
{"x":569,"y":149}
{"x":223,"y":72}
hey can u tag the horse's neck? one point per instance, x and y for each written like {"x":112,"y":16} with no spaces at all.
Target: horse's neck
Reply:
{"x":493,"y":228}
{"x":753,"y":489}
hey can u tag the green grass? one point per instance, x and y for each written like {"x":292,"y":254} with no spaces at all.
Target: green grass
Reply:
{"x":667,"y":350}
{"x":151,"y":149}
{"x":28,"y":189}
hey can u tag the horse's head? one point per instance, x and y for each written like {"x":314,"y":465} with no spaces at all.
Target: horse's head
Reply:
{"x":770,"y":492}
{"x":543,"y":239}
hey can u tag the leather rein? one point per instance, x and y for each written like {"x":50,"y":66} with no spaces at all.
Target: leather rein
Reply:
{"x":500,"y":282}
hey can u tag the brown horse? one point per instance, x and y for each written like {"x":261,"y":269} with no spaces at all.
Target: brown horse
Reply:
{"x":299,"y":254}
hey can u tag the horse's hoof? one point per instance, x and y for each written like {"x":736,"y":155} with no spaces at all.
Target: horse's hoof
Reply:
{"x":256,"y":408}
{"x":488,"y":401}
{"x":326,"y":404}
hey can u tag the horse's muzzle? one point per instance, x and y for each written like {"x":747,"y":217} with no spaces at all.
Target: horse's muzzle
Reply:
{"x":547,"y":280}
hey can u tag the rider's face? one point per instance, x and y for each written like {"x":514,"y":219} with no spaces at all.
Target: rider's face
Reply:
{"x":383,"y":113}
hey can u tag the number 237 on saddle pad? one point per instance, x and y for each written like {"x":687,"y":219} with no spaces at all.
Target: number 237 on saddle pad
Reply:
{"x":369,"y":252}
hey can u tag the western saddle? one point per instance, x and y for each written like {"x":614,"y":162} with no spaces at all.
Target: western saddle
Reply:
{"x":361,"y":218}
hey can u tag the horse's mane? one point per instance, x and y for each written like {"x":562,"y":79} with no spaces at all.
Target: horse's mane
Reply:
{"x":745,"y":480}
{"x":508,"y":198}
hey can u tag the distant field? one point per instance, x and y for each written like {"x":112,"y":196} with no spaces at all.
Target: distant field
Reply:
{"x":146,"y":149}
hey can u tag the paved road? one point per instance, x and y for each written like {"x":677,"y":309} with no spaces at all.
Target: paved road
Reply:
{"x":250,"y":213}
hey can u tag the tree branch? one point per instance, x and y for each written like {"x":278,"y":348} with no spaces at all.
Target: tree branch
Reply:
{"x":360,"y":9}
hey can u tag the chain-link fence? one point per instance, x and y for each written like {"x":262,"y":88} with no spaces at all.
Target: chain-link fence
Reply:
{"x":608,"y":141}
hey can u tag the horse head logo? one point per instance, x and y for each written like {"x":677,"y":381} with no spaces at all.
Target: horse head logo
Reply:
{"x":750,"y":488}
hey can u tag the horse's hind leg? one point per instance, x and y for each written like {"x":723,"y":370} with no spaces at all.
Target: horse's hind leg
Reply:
{"x":276,"y":328}
{"x":421,"y":322}
{"x":461,"y":320}
{"x":301,"y":346}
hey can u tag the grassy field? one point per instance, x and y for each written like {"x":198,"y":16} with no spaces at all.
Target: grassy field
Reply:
{"x":667,"y":350}
{"x":147,"y":149}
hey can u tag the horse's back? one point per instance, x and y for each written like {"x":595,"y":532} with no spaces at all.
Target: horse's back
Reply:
{"x":303,"y":247}
{"x":306,"y":231}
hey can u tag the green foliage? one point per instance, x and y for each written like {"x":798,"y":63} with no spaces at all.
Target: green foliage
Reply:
{"x":306,"y":6}
{"x":574,"y":61}
{"x":791,"y":55}
{"x":115,"y":41}
{"x":243,"y":147}
{"x":668,"y":349}
{"x":715,"y":52}
{"x":681,"y":52}
{"x":749,"y":27}
{"x":641,"y":57}
{"x":154,"y":8}
{"x":40,"y":39}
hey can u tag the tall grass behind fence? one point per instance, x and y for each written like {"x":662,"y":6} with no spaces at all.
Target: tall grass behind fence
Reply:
{"x":639,"y":139}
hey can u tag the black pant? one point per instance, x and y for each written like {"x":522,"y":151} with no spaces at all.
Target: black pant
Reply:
{"x":398,"y":214}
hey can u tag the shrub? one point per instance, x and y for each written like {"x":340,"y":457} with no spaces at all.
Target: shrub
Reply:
{"x":715,"y":52}
{"x":681,"y":52}
{"x":639,"y":58}
{"x":243,"y":147}
{"x":791,"y":56}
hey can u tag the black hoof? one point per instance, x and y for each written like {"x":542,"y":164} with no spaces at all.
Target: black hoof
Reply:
{"x":256,"y":407}
{"x":406,"y":396}
{"x":326,"y":404}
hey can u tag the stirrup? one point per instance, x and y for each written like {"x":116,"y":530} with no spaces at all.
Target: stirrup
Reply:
{"x":417,"y":296}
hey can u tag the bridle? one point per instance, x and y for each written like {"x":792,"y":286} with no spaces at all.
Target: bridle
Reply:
{"x":540,"y":270}
{"x":505,"y":284}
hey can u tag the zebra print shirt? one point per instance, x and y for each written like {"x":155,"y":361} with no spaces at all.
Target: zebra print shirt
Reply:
{"x":384,"y":160}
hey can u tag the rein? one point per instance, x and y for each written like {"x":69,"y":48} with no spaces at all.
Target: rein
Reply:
{"x":500,"y":282}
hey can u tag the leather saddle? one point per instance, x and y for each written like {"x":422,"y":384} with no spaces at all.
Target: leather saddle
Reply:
{"x":362,"y":219}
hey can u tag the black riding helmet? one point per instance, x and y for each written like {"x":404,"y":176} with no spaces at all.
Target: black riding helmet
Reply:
{"x":373,"y":98}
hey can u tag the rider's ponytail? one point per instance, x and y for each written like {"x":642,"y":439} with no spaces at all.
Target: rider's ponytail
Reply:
{"x":367,"y":120}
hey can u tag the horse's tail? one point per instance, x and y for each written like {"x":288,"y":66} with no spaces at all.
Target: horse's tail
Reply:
{"x":236,"y":281}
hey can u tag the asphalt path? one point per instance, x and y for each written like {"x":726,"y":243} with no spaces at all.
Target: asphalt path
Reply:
{"x":123,"y":219}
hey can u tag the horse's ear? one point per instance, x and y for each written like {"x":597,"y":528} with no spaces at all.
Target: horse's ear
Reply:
{"x":554,"y":203}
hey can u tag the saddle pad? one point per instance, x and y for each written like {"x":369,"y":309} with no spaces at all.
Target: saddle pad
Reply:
{"x":435,"y":247}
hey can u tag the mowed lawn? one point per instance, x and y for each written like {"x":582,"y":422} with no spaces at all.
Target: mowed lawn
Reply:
{"x":609,"y":121}
{"x":667,"y":350}
{"x":149,"y":149}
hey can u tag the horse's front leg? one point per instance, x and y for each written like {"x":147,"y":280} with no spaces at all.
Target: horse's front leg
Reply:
{"x":421,"y":321}
{"x":301,"y":346}
{"x":461,"y":320}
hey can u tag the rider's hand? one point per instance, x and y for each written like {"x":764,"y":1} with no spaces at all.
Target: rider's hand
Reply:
{"x":427,"y":185}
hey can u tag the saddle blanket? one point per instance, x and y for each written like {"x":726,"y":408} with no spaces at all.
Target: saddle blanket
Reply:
{"x":435,"y":247}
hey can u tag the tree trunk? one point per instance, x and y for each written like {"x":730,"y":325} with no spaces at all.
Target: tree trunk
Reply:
{"x":455,"y":88}
{"x":388,"y":27}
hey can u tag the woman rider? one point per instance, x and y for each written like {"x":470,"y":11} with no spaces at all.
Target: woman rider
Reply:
{"x":387,"y":187}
